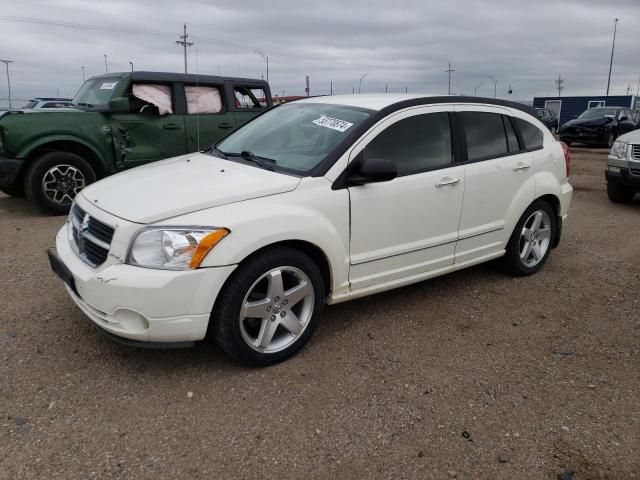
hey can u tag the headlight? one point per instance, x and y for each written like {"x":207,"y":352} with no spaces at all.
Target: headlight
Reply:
{"x":619,"y":150}
{"x":180,"y":248}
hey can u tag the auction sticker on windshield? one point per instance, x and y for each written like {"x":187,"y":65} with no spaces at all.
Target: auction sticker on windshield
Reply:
{"x":108,"y":85}
{"x":333,"y":123}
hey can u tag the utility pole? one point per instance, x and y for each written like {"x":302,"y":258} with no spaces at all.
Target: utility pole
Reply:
{"x":82,"y":73}
{"x":628,"y":89}
{"x":7,"y":62}
{"x":386,"y":88}
{"x":406,"y":90}
{"x":331,"y":88}
{"x":185,"y":44}
{"x":613,"y":46}
{"x":449,"y":71}
{"x":106,"y":65}
{"x":307,"y":88}
{"x":266,"y":59}
{"x":560,"y":84}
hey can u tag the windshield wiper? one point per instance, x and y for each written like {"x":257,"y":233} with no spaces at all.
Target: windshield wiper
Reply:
{"x":250,"y":157}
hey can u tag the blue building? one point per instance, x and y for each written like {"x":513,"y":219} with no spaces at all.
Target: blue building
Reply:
{"x":568,"y":108}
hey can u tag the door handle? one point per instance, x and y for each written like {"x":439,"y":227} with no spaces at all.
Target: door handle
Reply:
{"x":521,"y":166}
{"x":225,"y":125}
{"x":171,"y":126}
{"x":447,"y":182}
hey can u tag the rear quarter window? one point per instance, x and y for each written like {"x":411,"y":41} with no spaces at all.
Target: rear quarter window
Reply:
{"x":532,"y":136}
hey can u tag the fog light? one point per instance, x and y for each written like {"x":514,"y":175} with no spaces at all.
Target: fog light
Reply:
{"x":131,"y":321}
{"x":614,"y":169}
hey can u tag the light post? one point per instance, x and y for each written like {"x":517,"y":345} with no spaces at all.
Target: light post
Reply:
{"x":82,"y":73}
{"x":613,"y":45}
{"x":475,"y":90}
{"x":266,"y":59}
{"x":106,"y":66}
{"x":131,"y":63}
{"x":360,"y":82}
{"x":7,"y":62}
{"x":495,"y":84}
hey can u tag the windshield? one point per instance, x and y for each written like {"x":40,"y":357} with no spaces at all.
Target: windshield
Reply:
{"x":96,"y":91}
{"x":30,"y":104}
{"x":598,"y":113}
{"x":296,"y":136}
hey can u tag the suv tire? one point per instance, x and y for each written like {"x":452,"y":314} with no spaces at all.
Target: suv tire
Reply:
{"x":619,"y":194}
{"x":53,"y":180}
{"x":284,"y":319}
{"x":531,"y":240}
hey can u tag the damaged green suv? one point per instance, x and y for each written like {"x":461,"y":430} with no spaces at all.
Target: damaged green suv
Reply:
{"x":120,"y":121}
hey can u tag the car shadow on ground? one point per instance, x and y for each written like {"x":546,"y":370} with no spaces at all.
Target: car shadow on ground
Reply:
{"x":22,"y":207}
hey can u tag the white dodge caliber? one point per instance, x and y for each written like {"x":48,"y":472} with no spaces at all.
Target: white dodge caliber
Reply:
{"x":317,"y":201}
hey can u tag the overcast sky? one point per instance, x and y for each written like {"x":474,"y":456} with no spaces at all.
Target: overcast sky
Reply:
{"x":522,"y":43}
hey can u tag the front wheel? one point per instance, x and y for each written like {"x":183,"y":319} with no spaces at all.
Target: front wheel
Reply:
{"x":619,"y":194}
{"x":55,"y":178}
{"x":270,"y":307}
{"x":611,"y":138}
{"x":530,"y":242}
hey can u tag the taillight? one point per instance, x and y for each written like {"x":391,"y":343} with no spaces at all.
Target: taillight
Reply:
{"x":567,"y":157}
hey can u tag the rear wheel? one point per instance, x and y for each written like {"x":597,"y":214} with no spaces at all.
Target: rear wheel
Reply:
{"x":55,"y":178}
{"x":270,"y":307}
{"x":530,"y":242}
{"x":619,"y":194}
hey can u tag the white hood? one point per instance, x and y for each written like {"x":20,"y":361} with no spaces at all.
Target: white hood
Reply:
{"x":182,"y":185}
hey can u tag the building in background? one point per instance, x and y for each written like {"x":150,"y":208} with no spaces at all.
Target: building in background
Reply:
{"x":568,"y":108}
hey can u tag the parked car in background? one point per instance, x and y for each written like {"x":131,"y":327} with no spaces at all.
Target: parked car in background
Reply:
{"x":599,"y":126}
{"x":549,"y":118}
{"x":316,"y":201}
{"x":623,"y":168}
{"x":45,"y":102}
{"x":124,"y":120}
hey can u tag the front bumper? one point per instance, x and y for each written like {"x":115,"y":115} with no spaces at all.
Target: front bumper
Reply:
{"x":9,"y":170}
{"x":585,"y":136}
{"x":141,"y":304}
{"x":625,"y":178}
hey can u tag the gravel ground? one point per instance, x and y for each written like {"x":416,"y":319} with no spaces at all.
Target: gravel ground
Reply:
{"x":473,"y":375}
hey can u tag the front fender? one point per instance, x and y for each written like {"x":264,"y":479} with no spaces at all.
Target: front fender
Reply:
{"x":32,"y":144}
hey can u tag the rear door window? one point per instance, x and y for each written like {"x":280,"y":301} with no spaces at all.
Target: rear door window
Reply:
{"x":203,"y":99}
{"x":485,"y":135}
{"x":531,"y":135}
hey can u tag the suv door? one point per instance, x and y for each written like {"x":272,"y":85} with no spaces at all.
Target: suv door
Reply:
{"x":248,"y":101}
{"x":409,"y":225}
{"x":152,"y":129}
{"x":207,"y":118}
{"x":498,"y":181}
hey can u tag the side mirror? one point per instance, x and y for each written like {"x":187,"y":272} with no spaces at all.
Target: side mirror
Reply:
{"x":373,"y":170}
{"x":119,"y":105}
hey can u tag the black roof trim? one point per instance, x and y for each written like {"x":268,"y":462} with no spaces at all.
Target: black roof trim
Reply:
{"x":178,"y":77}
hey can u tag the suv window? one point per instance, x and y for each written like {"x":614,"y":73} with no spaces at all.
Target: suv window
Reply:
{"x":531,"y":135}
{"x":512,"y":138}
{"x":247,"y":97}
{"x":485,"y":135}
{"x":203,"y":99}
{"x":415,"y":144}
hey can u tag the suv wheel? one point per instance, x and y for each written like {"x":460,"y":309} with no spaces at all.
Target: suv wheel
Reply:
{"x":619,"y":194}
{"x":611,"y":139}
{"x":269,"y":307}
{"x":530,"y":242}
{"x":55,"y":178}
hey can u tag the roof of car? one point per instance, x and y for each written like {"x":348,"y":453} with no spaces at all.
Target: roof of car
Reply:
{"x":177,"y":77}
{"x":396,"y":101}
{"x":51,"y":99}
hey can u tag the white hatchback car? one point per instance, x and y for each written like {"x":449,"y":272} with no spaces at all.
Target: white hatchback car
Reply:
{"x":316,"y":201}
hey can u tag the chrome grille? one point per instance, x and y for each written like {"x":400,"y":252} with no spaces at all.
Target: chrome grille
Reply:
{"x":90,"y":238}
{"x":635,"y":152}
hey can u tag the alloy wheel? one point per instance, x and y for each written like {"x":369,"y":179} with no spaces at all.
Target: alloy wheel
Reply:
{"x":535,"y":238}
{"x":62,"y":183}
{"x":277,"y":309}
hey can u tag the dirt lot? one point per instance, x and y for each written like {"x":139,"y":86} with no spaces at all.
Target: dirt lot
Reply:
{"x":475,"y":375}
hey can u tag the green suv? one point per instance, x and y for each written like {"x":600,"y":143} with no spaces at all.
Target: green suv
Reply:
{"x":120,"y":121}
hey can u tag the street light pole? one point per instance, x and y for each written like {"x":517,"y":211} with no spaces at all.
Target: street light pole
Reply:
{"x":131,"y":63}
{"x":266,"y":59}
{"x":613,"y":46}
{"x":106,"y":65}
{"x":7,"y":62}
{"x":475,"y":90}
{"x":360,"y":82}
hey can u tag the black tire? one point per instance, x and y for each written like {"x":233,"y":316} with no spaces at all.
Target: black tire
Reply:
{"x":43,"y":166}
{"x":619,"y":194}
{"x":14,"y":190}
{"x":225,"y":318}
{"x":512,"y":261}
{"x":611,"y":138}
